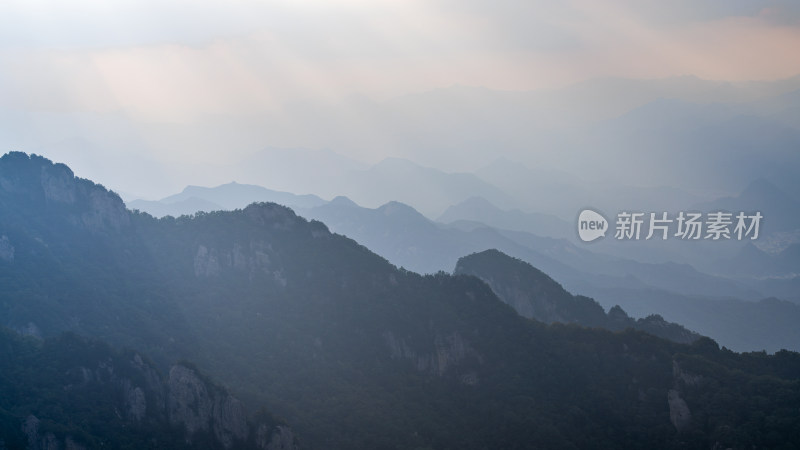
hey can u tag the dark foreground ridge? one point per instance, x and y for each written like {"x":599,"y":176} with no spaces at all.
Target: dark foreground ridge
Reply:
{"x":75,"y":393}
{"x":349,"y":350}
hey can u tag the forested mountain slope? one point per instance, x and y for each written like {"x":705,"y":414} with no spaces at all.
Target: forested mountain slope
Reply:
{"x":353,"y":352}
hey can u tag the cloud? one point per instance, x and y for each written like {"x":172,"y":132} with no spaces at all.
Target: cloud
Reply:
{"x":190,"y":80}
{"x":184,"y":61}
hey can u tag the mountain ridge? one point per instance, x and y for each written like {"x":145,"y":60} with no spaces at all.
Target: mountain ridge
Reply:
{"x":535,"y":295}
{"x":356,"y":353}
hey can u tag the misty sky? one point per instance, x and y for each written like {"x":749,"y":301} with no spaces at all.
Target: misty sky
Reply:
{"x":213,"y":81}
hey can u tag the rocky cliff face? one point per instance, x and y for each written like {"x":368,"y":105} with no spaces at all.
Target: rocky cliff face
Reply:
{"x":280,"y":438}
{"x":85,"y":204}
{"x":253,"y":254}
{"x":446,"y":354}
{"x":679,"y":413}
{"x":38,"y":440}
{"x":256,"y":258}
{"x":142,"y":398}
{"x":6,"y":249}
{"x":198,"y":407}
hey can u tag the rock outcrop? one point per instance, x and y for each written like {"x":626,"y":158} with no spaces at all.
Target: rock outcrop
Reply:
{"x":679,"y":413}
{"x":38,"y":440}
{"x":254,"y":258}
{"x":278,"y":438}
{"x":198,"y":407}
{"x":85,"y":204}
{"x":6,"y":249}
{"x":185,"y":400}
{"x":447,"y":352}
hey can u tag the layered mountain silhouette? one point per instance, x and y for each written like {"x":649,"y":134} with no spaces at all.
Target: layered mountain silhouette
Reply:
{"x":535,"y":295}
{"x":431,"y":190}
{"x":780,"y":210}
{"x":478,"y":209}
{"x":555,"y":192}
{"x":674,"y":129}
{"x":751,"y":261}
{"x":600,"y":125}
{"x":350,"y":350}
{"x":227,"y":196}
{"x":678,"y":292}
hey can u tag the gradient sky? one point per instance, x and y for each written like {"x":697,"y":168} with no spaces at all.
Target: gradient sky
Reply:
{"x":158,"y":70}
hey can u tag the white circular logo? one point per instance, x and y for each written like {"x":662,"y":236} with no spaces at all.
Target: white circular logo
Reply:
{"x":591,"y":225}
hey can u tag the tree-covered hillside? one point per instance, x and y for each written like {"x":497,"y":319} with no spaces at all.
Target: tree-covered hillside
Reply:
{"x":535,"y":295}
{"x":353,"y":352}
{"x":76,"y":393}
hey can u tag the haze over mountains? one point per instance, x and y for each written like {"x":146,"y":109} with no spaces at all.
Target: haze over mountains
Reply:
{"x":349,"y":350}
{"x":715,"y":288}
{"x":399,"y":225}
{"x":535,"y":295}
{"x":229,"y":196}
{"x":593,"y":131}
{"x":705,"y":141}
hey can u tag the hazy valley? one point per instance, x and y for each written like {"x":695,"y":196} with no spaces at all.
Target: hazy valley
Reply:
{"x":306,"y":324}
{"x":329,"y":224}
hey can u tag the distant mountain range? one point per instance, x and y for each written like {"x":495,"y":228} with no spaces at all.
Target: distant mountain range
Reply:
{"x":780,"y":210}
{"x":350,"y":350}
{"x":225,"y":197}
{"x":432,"y":190}
{"x":678,"y":292}
{"x":703,"y":139}
{"x":408,"y":239}
{"x":478,"y":209}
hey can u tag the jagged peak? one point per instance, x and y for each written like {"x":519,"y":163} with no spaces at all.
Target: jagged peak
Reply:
{"x":616,"y":312}
{"x":27,"y":180}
